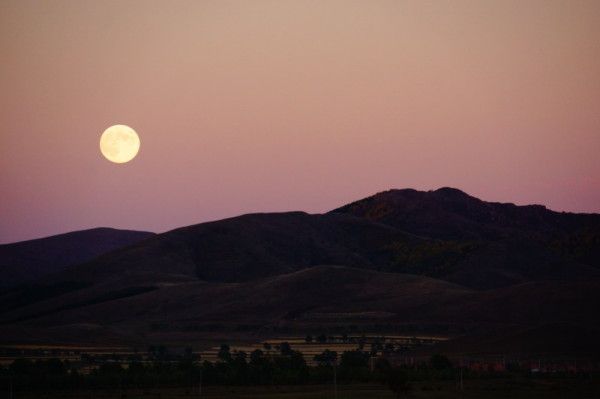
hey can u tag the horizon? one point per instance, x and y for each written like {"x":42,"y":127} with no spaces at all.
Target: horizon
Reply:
{"x":284,"y":211}
{"x":281,"y":105}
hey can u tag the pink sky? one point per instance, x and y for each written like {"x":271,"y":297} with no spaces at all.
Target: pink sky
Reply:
{"x":246,"y":106}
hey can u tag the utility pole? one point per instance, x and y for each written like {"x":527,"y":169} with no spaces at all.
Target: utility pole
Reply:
{"x":200,"y":384}
{"x":334,"y":380}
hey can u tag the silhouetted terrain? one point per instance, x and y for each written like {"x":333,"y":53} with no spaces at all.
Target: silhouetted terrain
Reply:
{"x":485,"y":244}
{"x":400,"y":259}
{"x":29,"y":260}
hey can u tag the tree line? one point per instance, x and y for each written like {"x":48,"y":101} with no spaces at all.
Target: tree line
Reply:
{"x":285,"y":367}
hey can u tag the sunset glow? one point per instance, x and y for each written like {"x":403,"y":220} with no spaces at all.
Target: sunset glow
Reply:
{"x":278,"y":105}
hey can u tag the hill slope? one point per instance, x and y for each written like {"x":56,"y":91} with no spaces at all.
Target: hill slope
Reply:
{"x":308,"y":300}
{"x":444,"y":234}
{"x":29,"y":260}
{"x":439,"y":258}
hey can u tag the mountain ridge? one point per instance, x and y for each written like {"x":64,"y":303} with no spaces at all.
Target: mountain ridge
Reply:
{"x":29,"y":260}
{"x":438,"y":258}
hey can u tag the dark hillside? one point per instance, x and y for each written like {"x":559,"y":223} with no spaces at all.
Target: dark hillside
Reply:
{"x":401,"y":258}
{"x":29,"y":260}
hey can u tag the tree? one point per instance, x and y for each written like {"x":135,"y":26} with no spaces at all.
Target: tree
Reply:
{"x":308,"y":339}
{"x":109,"y":369}
{"x":361,"y":342}
{"x":382,"y":365}
{"x":326,"y":358}
{"x":373,"y":350}
{"x":285,"y":349}
{"x":224,"y":353}
{"x":397,"y":381}
{"x":135,"y":367}
{"x":51,"y":367}
{"x":158,"y":352}
{"x":240,"y":357}
{"x":440,"y":362}
{"x":22,"y":366}
{"x":354,"y":359}
{"x":188,"y":352}
{"x":240,"y":367}
{"x":257,"y":357}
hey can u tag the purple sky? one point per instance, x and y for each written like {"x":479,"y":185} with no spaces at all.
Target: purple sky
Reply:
{"x":245,"y":106}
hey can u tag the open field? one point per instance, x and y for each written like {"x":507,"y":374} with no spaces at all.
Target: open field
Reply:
{"x":209,"y":350}
{"x":488,"y":389}
{"x":310,"y":349}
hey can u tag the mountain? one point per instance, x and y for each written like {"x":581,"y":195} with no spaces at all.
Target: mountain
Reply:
{"x":448,"y":213}
{"x":440,"y":260}
{"x":249,"y":247}
{"x":443,"y":234}
{"x":29,"y":260}
{"x":486,"y":244}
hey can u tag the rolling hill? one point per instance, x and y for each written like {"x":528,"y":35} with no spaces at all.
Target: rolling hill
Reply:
{"x":439,"y":259}
{"x":29,"y":260}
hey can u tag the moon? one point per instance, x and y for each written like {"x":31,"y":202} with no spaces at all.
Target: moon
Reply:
{"x":119,"y":143}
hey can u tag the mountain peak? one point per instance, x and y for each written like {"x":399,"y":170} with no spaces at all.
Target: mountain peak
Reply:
{"x":451,"y":191}
{"x":446,"y":213}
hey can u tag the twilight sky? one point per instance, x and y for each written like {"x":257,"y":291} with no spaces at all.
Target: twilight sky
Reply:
{"x":246,"y":106}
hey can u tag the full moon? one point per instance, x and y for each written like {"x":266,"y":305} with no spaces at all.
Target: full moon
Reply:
{"x":119,"y":143}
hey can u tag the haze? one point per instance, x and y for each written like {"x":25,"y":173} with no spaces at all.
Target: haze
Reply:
{"x":247,"y":106}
